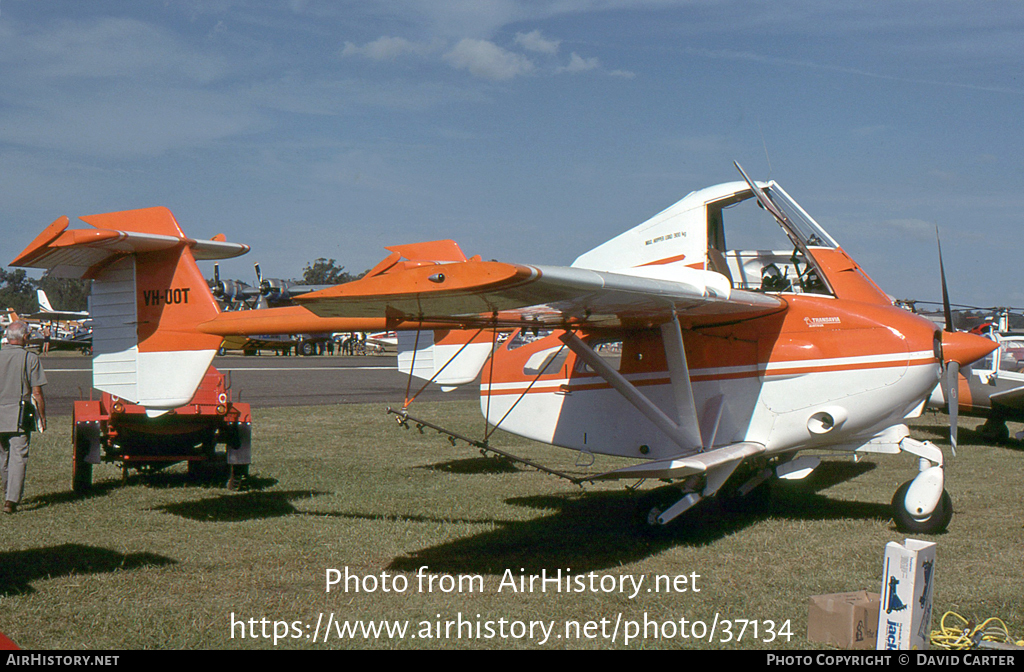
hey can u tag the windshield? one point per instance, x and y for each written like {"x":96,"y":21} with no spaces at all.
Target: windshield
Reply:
{"x":803,"y":227}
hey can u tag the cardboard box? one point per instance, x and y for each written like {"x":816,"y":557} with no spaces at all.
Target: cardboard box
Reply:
{"x":905,"y":614}
{"x":845,"y":620}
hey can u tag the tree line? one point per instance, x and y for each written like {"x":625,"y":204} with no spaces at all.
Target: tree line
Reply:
{"x":18,"y":291}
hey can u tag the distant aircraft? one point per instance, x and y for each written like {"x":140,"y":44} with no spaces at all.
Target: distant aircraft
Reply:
{"x":48,"y":313}
{"x":268,"y":292}
{"x":992,"y":387}
{"x":711,"y":366}
{"x":68,"y":329}
{"x":272,"y":291}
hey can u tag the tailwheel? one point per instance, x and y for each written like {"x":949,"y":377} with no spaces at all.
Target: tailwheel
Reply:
{"x":934,"y":523}
{"x":651,"y":509}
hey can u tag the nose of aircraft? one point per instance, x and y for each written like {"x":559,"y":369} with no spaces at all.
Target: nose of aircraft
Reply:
{"x":964,"y":348}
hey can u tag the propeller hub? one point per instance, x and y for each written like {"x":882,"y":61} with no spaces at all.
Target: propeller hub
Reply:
{"x":964,"y":348}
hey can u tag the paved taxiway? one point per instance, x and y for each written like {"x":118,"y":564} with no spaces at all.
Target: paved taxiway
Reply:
{"x":271,"y":380}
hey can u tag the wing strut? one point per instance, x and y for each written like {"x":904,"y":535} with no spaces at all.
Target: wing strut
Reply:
{"x":679,"y":374}
{"x":686,"y":432}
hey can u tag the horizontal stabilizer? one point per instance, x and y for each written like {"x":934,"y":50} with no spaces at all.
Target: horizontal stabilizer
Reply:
{"x":84,"y":253}
{"x":686,"y":465}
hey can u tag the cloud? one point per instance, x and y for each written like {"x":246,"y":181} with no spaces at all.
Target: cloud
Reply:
{"x":487,"y":60}
{"x":387,"y":48}
{"x":114,"y":87}
{"x":106,"y":48}
{"x":579,"y":64}
{"x":534,"y":41}
{"x":484,"y":58}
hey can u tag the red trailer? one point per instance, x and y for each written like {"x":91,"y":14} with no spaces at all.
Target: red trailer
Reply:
{"x":113,"y":430}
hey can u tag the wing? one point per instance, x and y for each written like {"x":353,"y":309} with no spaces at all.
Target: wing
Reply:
{"x":490,"y":293}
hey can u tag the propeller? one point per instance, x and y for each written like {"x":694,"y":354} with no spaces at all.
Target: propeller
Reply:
{"x":218,"y":289}
{"x":259,"y":279}
{"x":951,"y":377}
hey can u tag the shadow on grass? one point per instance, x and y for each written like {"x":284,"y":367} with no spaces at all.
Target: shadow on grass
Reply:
{"x":18,"y":569}
{"x":967,"y":436}
{"x":159,"y":480}
{"x":973,"y":436}
{"x":475,"y":465}
{"x":597,"y":531}
{"x":243,"y":506}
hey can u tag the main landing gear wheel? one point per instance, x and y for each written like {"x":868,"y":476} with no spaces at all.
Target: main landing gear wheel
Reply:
{"x":937,"y":522}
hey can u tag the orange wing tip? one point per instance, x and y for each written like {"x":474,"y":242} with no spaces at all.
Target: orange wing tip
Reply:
{"x":419,"y":254}
{"x":430,"y":279}
{"x":158,"y":221}
{"x":436,"y":250}
{"x":38,"y":246}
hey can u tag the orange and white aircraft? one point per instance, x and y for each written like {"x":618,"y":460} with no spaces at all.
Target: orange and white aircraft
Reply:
{"x":712,"y":366}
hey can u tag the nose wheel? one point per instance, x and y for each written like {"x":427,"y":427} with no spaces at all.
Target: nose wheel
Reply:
{"x":908,"y":521}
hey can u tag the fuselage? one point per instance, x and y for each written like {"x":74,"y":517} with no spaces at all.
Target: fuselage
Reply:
{"x":827,"y":372}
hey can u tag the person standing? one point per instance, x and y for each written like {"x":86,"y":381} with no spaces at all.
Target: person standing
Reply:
{"x":21,"y":379}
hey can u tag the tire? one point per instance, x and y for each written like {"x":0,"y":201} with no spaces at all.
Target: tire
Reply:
{"x":651,"y":505}
{"x":81,"y":471}
{"x":937,"y":522}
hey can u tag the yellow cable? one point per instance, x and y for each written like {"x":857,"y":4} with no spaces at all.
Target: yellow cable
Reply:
{"x":963,"y":634}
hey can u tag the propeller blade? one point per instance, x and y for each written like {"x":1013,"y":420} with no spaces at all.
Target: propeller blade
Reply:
{"x":263,"y":286}
{"x":952,"y":384}
{"x":946,"y":310}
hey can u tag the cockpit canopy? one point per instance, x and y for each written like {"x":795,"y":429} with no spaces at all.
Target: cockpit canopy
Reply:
{"x":760,"y":242}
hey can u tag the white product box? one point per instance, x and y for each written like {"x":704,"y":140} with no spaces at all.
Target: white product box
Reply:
{"x":905,"y":611}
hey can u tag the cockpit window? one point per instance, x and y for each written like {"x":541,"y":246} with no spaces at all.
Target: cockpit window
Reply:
{"x":760,"y":251}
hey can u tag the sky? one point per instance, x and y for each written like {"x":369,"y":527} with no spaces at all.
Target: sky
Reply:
{"x":528,"y":131}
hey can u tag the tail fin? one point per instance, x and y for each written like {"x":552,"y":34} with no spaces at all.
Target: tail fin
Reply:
{"x":148,"y":295}
{"x":44,"y":303}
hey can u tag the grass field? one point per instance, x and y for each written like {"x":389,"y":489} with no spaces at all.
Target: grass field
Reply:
{"x":162,"y":562}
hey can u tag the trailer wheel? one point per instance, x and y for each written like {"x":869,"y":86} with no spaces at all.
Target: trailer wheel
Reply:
{"x":81,"y":471}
